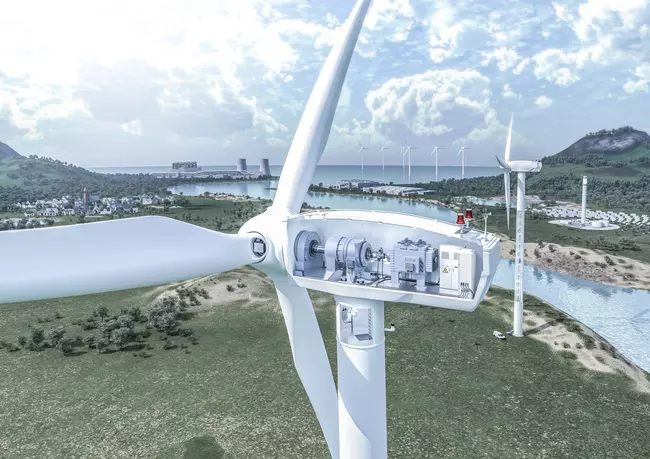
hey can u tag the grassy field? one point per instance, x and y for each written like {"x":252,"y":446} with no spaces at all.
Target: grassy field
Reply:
{"x":542,"y":229}
{"x":453,"y":390}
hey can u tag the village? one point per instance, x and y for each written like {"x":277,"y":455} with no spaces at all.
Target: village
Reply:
{"x":87,"y":206}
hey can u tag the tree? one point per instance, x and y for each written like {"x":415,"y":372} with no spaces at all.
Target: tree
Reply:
{"x":121,"y":336}
{"x":55,"y":335}
{"x":89,"y":341}
{"x":36,"y":336}
{"x":101,"y":312}
{"x":65,"y":344}
{"x":102,"y":344}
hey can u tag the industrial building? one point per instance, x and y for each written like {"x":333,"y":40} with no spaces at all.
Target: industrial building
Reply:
{"x":190,"y":169}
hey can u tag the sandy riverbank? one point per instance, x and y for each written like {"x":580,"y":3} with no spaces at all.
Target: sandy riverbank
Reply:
{"x":584,"y":263}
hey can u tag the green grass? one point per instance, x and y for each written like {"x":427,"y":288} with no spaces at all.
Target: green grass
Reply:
{"x":542,"y":229}
{"x":453,"y":390}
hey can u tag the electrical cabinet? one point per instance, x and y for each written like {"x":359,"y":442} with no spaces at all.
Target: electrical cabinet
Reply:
{"x":457,"y":271}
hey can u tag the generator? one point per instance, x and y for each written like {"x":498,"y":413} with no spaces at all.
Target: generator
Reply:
{"x":413,"y":262}
{"x":457,"y":271}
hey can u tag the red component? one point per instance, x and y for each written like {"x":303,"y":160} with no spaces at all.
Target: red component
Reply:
{"x":468,"y":214}
{"x":460,"y":220}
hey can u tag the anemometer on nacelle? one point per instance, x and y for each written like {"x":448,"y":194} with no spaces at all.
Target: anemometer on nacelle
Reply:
{"x":392,"y":257}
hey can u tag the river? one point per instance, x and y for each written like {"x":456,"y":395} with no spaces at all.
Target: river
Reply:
{"x":620,"y":315}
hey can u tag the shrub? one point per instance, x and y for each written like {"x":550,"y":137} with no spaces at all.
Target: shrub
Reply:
{"x":169,"y":345}
{"x":540,"y":243}
{"x":537,"y":253}
{"x":187,"y":332}
{"x":600,"y":358}
{"x":241,"y":285}
{"x":146,"y":333}
{"x":36,"y":335}
{"x":566,"y":345}
{"x":194,"y":340}
{"x":609,"y":261}
{"x":552,"y":248}
{"x":577,"y":257}
{"x":230,"y":288}
{"x":22,"y":341}
{"x":89,"y":341}
{"x":568,"y":354}
{"x":58,"y":316}
{"x":65,"y":344}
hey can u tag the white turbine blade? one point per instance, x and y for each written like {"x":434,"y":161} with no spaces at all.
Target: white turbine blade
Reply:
{"x":113,"y":255}
{"x":310,"y":358}
{"x":506,"y":182}
{"x":509,"y":141}
{"x":502,"y":165}
{"x":316,"y":122}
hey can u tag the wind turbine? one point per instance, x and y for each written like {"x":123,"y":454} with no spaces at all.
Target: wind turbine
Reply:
{"x":383,"y":175}
{"x":403,"y":151}
{"x":408,"y":150}
{"x":330,"y":251}
{"x":435,"y":152}
{"x":462,"y":153}
{"x":361,"y":148}
{"x":521,"y":167}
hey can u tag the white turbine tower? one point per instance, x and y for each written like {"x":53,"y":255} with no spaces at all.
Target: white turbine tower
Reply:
{"x":336,"y":252}
{"x":462,"y":159}
{"x":408,"y":151}
{"x":383,"y":163}
{"x":361,"y":148}
{"x":521,"y":167}
{"x":435,"y":152}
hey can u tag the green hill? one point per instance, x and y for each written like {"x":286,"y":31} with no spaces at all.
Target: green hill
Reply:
{"x":619,"y":154}
{"x":7,"y":151}
{"x":30,"y":178}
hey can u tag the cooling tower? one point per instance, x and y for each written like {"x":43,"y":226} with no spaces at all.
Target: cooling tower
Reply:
{"x":265,"y":169}
{"x":241,"y":164}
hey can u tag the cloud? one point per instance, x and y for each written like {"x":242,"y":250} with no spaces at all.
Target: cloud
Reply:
{"x":423,"y":102}
{"x":508,"y":93}
{"x":133,"y":127}
{"x":543,"y":102}
{"x":642,"y":83}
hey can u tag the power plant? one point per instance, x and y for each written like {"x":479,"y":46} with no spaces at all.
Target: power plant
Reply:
{"x":191,"y":169}
{"x":265,"y":169}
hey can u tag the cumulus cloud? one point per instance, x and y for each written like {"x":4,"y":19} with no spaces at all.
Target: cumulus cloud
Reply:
{"x":543,"y":102}
{"x":423,"y":102}
{"x":508,"y":93}
{"x":210,"y":77}
{"x":642,"y":81}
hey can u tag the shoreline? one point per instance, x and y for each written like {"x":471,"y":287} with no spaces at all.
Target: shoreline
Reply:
{"x":588,"y":264}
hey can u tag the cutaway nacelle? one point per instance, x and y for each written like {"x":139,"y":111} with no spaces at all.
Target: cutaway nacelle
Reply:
{"x":387,"y":256}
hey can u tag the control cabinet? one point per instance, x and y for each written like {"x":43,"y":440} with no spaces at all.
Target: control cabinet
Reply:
{"x":457,"y":271}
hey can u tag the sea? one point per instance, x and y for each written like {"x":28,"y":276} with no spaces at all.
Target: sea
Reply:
{"x":329,"y":175}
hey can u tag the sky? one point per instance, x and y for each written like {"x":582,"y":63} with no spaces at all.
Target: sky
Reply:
{"x":149,"y":82}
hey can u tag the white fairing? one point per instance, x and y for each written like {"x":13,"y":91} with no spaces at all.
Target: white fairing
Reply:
{"x":310,"y":358}
{"x":113,"y":255}
{"x":316,"y":122}
{"x":525,"y":166}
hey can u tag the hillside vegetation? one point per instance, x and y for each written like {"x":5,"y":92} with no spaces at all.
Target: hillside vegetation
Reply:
{"x":617,"y":163}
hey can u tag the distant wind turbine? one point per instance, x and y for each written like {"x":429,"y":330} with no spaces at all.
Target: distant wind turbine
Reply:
{"x":435,"y":152}
{"x":462,"y":159}
{"x":408,"y":150}
{"x":383,"y":175}
{"x":361,"y":148}
{"x":403,"y":152}
{"x":521,"y":167}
